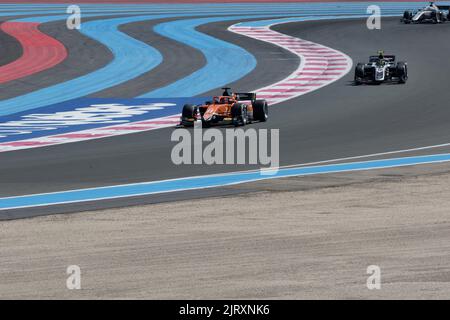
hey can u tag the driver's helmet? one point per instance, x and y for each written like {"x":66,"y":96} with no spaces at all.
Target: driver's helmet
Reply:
{"x":226,"y":92}
{"x":224,"y":100}
{"x":432,"y":7}
{"x":380,"y":62}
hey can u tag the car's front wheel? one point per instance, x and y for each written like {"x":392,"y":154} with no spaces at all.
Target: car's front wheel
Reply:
{"x":359,"y":73}
{"x":407,"y":17}
{"x":188,"y":115}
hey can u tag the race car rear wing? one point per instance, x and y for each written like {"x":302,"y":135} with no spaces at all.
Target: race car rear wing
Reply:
{"x":248,"y":96}
{"x":390,"y":58}
{"x":443,"y":7}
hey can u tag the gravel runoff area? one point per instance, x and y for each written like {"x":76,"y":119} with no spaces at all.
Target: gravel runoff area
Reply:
{"x":314,"y":242}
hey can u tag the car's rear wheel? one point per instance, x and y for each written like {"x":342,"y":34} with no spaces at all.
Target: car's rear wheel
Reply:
{"x":435,"y":18}
{"x":239,"y":114}
{"x":260,"y":110}
{"x":402,"y":72}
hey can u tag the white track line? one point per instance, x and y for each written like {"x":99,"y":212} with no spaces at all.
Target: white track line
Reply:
{"x":97,"y":133}
{"x":319,"y":65}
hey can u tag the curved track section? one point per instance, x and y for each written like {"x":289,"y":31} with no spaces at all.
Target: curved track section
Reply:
{"x":322,"y":125}
{"x":40,"y":52}
{"x":84,"y":56}
{"x":131,"y":58}
{"x":319,"y":66}
{"x":10,"y":50}
{"x":22,"y":103}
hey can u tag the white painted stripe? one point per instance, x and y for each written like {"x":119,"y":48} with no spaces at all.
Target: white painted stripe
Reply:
{"x":327,"y":64}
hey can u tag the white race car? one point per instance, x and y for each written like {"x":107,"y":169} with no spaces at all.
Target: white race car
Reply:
{"x":381,"y":68}
{"x":430,"y":14}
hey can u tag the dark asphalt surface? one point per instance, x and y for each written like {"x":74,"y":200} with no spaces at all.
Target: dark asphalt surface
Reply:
{"x":10,"y":50}
{"x":340,"y":120}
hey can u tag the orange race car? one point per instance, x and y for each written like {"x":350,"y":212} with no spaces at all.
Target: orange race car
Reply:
{"x":237,"y":109}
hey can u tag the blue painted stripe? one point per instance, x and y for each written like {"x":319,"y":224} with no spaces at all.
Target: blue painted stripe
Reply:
{"x":226,"y":62}
{"x":131,"y":59}
{"x":339,"y":4}
{"x":202,"y":182}
{"x":301,"y":8}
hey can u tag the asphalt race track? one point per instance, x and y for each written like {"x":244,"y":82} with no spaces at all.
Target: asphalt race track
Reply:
{"x":339,"y":120}
{"x":87,"y":177}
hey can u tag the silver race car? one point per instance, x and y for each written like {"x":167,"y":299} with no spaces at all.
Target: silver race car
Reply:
{"x":381,"y":68}
{"x":430,"y":14}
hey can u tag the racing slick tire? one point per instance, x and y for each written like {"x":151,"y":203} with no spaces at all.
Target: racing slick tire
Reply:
{"x":435,"y":18}
{"x":260,"y":110}
{"x":239,"y":114}
{"x":188,"y":115}
{"x":407,"y":17}
{"x":402,"y":72}
{"x":359,"y":73}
